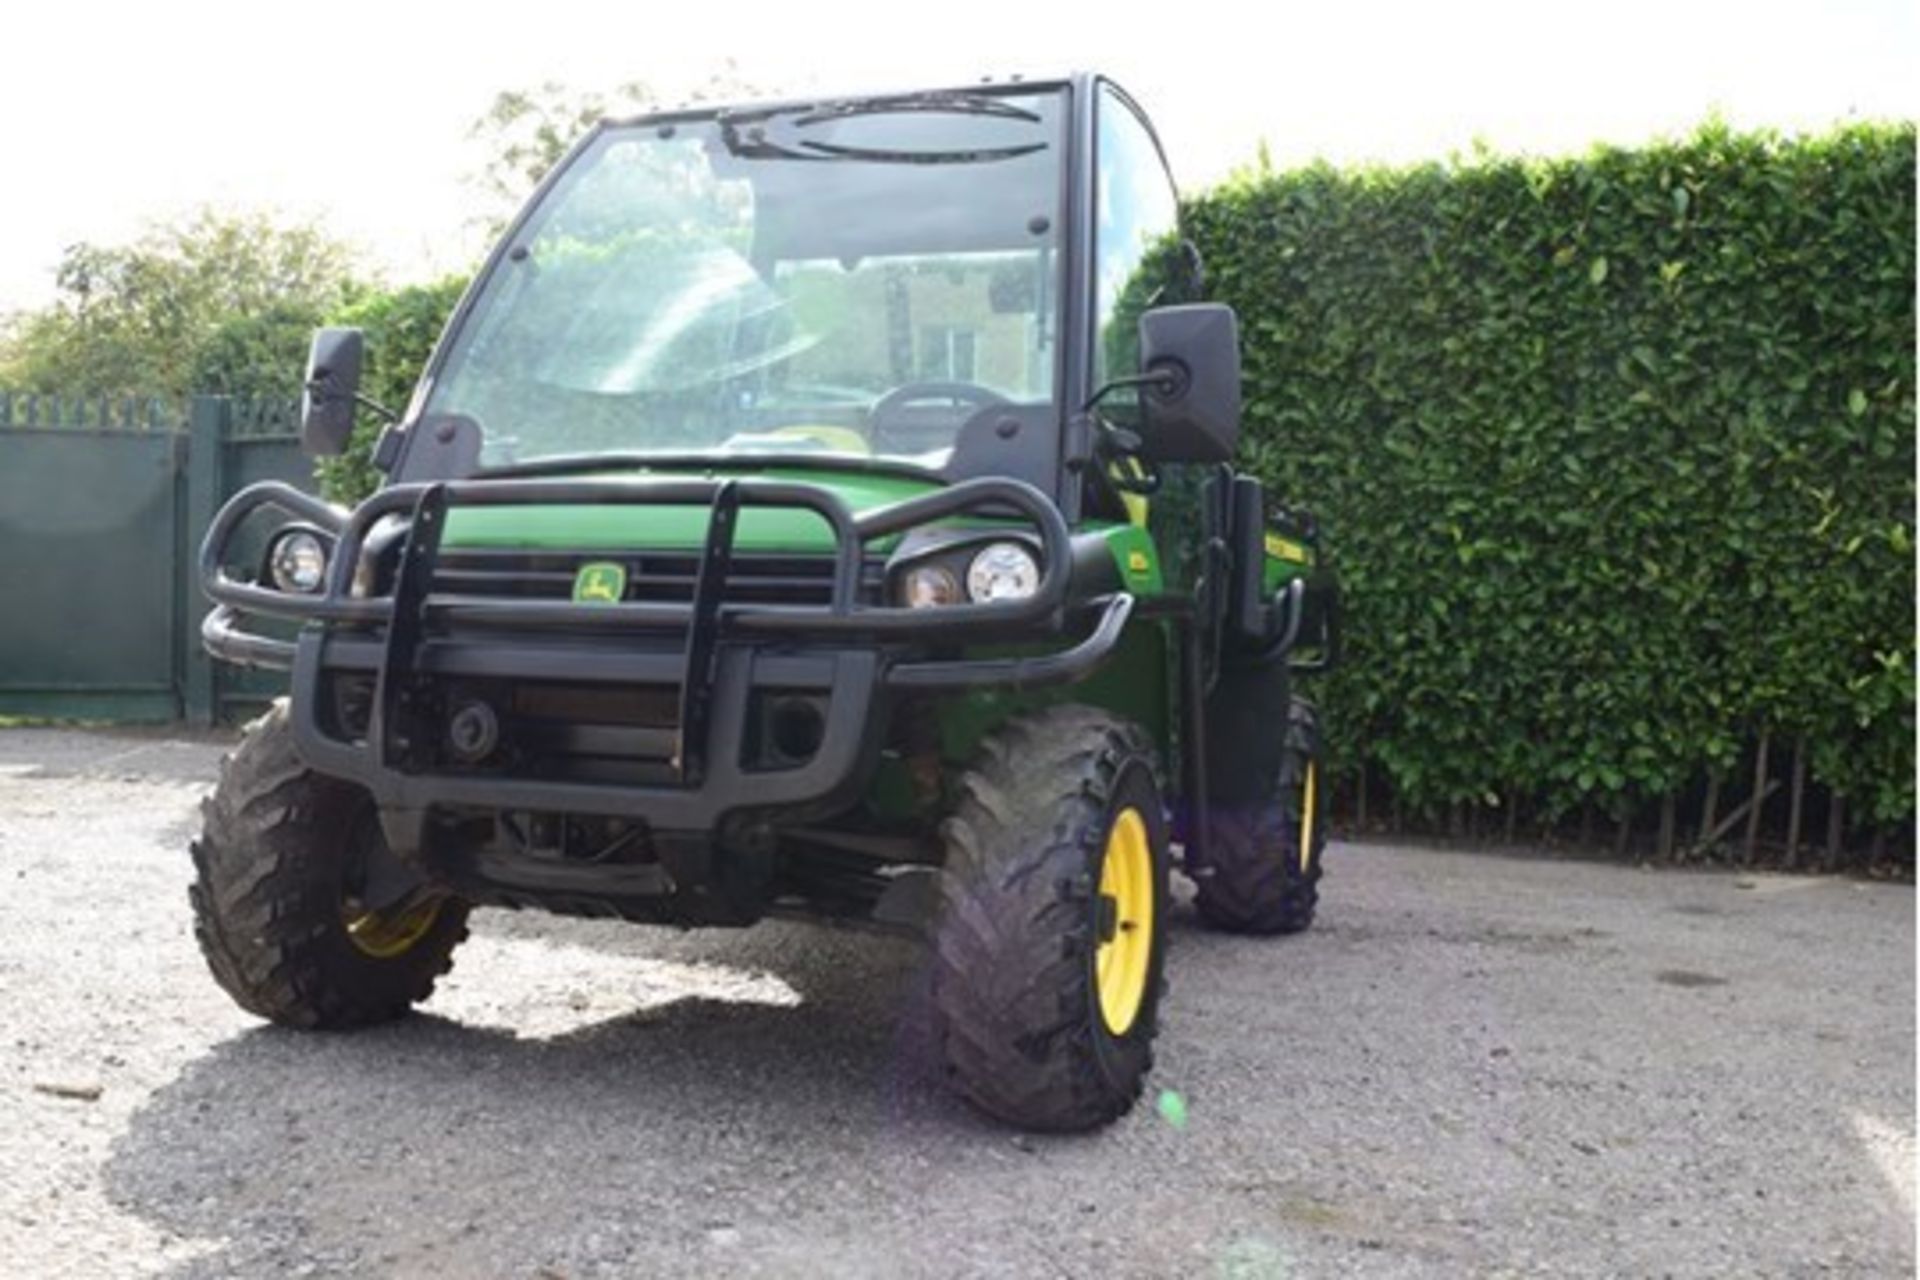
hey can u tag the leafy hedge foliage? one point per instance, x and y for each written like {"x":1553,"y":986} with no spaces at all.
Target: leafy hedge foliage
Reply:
{"x":401,"y":327}
{"x":1616,"y":454}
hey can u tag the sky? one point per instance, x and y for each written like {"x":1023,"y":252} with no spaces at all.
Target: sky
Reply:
{"x":357,"y":114}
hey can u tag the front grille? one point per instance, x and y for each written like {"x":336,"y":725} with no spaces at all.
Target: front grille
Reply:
{"x":592,"y":732}
{"x":661,"y":577}
{"x":546,"y":728}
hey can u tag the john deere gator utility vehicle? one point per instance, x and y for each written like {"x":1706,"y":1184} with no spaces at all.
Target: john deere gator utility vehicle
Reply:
{"x":818,"y":508}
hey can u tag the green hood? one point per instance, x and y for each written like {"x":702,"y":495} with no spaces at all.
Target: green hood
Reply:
{"x":645,"y":526}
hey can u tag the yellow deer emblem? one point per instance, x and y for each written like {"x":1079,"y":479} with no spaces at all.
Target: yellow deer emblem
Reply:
{"x":600,"y":583}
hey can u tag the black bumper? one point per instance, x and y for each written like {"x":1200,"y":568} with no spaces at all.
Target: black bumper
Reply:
{"x":717,"y":655}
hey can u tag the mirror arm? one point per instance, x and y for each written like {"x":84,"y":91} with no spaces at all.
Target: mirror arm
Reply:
{"x":375,"y":407}
{"x":1165,"y":380}
{"x":323,"y":387}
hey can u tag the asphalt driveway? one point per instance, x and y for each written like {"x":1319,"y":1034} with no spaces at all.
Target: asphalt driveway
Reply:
{"x":1475,"y":1065}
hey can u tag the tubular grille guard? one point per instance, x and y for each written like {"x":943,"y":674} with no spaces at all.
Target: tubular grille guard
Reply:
{"x":394,"y":639}
{"x":843,"y":615}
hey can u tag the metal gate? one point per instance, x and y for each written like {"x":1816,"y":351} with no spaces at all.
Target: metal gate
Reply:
{"x":102,"y":507}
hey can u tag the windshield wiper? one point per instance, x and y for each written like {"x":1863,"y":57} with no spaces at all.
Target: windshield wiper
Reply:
{"x":745,"y":133}
{"x":752,"y":149}
{"x":954,"y":104}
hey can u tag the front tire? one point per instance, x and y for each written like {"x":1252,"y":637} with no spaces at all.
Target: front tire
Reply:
{"x":1264,"y":866}
{"x":1051,"y":937}
{"x":282,"y":855}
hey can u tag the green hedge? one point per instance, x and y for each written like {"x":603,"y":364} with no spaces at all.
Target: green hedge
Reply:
{"x":401,"y":326}
{"x":1616,"y":454}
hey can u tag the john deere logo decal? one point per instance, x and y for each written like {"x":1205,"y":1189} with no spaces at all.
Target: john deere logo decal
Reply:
{"x":1287,"y":549}
{"x":601,"y":582}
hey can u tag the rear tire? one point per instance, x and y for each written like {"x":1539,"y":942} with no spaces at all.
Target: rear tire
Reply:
{"x":1051,"y":937}
{"x":1265,"y":859}
{"x":276,"y":866}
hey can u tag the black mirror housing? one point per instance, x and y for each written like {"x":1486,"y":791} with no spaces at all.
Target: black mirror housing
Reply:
{"x":1190,"y":412}
{"x":332,"y":387}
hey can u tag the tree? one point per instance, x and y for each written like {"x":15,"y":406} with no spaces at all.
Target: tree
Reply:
{"x":524,"y":132}
{"x":256,"y":354}
{"x":401,"y":326}
{"x":222,"y":296}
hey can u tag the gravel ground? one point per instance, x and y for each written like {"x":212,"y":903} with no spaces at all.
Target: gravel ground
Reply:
{"x":1475,"y":1065}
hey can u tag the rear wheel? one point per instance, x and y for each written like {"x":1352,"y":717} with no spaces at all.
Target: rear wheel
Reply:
{"x":289,"y":868}
{"x":1051,"y":938}
{"x":1265,"y":859}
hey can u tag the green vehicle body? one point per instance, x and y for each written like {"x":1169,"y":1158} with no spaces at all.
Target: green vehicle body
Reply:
{"x":646,"y":623}
{"x":1139,"y":681}
{"x":1131,"y":684}
{"x":1150,"y":546}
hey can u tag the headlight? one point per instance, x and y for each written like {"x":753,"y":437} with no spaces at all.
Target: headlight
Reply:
{"x":297,"y":561}
{"x":927,"y":585}
{"x":1003,"y":571}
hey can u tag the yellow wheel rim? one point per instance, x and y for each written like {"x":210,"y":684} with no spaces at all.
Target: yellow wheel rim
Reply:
{"x":1126,"y":881}
{"x":1308,"y":795}
{"x":386,"y":934}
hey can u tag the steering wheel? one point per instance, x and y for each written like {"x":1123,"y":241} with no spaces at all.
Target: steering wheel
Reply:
{"x":890,"y":412}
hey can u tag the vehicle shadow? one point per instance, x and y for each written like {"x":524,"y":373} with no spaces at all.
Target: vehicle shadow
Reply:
{"x":439,"y":1146}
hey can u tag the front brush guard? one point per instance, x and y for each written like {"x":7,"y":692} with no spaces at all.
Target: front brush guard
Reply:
{"x":847,"y":648}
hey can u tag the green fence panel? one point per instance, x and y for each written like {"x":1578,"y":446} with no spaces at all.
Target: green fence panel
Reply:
{"x":261,"y":442}
{"x":103,"y":504}
{"x":87,"y":570}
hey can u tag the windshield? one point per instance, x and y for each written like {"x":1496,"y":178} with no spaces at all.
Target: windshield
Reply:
{"x":860,"y":279}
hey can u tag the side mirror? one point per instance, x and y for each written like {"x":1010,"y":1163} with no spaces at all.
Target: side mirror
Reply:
{"x":332,"y":389}
{"x":1190,"y":403}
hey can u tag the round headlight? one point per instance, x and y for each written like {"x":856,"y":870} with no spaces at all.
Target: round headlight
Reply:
{"x":927,"y":585}
{"x":298,"y":561}
{"x":1003,"y":571}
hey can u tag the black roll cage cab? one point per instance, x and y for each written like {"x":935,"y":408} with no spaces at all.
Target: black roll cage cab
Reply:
{"x":409,"y":455}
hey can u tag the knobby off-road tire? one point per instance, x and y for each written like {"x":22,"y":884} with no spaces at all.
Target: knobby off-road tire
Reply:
{"x":276,"y":860}
{"x":1024,"y":1013}
{"x":1266,"y":858}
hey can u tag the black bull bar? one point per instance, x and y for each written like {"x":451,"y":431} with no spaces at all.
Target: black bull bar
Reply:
{"x":852,"y":651}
